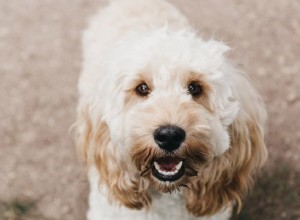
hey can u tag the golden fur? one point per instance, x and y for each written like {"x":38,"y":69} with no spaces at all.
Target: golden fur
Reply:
{"x":209,"y":186}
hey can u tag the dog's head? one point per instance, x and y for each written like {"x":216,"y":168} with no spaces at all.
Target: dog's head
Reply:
{"x":172,"y":114}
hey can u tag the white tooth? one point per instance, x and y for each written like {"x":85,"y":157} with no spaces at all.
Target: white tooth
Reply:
{"x":179,"y":165}
{"x":156,"y":166}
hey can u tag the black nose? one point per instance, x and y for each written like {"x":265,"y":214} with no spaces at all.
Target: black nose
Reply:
{"x":169,"y":137}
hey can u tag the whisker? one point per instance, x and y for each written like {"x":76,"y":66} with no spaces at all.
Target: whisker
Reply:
{"x":143,"y":173}
{"x":185,"y":186}
{"x":148,"y":156}
{"x":191,"y":171}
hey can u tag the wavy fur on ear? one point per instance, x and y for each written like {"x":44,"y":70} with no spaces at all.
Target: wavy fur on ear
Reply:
{"x":230,"y":176}
{"x":96,"y":149}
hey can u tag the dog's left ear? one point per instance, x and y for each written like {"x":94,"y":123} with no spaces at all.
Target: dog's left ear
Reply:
{"x":229,"y":177}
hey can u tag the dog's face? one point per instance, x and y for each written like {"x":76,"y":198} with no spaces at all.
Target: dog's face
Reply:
{"x":173,"y":113}
{"x":165,"y":116}
{"x":171,"y":128}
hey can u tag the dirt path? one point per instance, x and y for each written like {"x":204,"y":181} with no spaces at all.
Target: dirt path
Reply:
{"x":40,"y":177}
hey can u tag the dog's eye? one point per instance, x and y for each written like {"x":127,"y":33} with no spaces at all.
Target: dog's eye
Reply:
{"x":195,"y":89}
{"x":142,"y":89}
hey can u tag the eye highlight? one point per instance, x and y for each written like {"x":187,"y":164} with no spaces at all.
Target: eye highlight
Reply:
{"x":195,"y":89}
{"x":142,"y":89}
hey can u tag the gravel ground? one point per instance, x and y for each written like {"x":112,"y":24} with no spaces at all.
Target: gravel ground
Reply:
{"x":40,"y":58}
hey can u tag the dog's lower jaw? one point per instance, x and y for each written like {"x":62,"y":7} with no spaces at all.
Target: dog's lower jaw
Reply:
{"x":164,"y":206}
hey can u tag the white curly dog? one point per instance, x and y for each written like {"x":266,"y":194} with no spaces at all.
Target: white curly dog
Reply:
{"x":168,"y":128}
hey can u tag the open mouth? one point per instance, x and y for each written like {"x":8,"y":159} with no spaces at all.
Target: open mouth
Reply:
{"x":168,"y":168}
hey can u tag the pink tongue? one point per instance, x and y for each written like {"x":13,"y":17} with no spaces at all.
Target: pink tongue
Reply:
{"x":168,"y":163}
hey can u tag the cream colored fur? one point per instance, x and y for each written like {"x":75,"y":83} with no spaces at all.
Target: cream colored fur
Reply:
{"x":129,"y":42}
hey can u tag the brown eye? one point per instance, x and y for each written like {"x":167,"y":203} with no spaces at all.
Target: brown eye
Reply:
{"x":142,"y":89}
{"x":195,"y":89}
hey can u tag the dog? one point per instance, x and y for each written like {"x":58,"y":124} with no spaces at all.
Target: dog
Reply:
{"x":167,"y":126}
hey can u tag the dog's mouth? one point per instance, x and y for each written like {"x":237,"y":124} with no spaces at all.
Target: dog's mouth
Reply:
{"x":168,"y":168}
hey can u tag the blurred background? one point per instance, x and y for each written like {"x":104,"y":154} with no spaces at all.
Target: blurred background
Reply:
{"x":40,"y":61}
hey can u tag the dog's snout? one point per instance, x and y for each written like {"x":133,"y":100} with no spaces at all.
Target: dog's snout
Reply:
{"x":169,"y":137}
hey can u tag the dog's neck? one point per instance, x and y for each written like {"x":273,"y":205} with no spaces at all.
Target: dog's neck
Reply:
{"x":164,"y":206}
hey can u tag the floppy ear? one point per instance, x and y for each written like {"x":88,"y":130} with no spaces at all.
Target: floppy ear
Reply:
{"x":95,"y":147}
{"x":230,"y":176}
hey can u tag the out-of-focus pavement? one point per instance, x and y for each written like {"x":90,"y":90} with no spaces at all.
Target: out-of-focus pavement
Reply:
{"x":40,"y":60}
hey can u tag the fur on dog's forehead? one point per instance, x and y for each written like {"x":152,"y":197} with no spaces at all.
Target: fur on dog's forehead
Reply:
{"x":165,"y":49}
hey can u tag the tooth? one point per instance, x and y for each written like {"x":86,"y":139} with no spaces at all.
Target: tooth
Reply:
{"x":156,"y":166}
{"x":179,"y":165}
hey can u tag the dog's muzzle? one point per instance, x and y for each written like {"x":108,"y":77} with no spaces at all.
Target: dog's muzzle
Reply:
{"x":168,"y":138}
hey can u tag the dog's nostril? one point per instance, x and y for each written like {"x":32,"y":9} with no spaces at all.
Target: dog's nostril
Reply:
{"x":169,"y":137}
{"x":160,"y":137}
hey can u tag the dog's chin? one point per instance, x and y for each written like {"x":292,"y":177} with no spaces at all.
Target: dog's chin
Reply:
{"x":170,"y":171}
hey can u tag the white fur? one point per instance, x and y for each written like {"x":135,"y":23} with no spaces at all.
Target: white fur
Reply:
{"x":164,"y":206}
{"x":129,"y":37}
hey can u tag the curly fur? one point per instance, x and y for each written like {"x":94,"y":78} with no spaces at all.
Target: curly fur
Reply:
{"x":131,"y":42}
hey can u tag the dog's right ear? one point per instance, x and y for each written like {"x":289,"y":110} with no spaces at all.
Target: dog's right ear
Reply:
{"x":95,"y":147}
